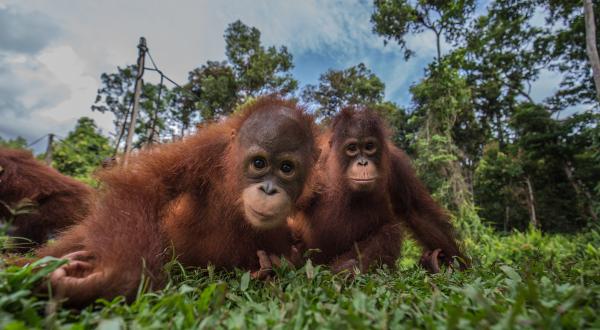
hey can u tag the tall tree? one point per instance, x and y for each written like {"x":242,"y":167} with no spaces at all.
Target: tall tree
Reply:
{"x":439,"y":98}
{"x":337,"y":89}
{"x":152,"y":115}
{"x":258,"y":70}
{"x":554,"y":160}
{"x":82,"y":151}
{"x":250,"y":70}
{"x":394,"y":19}
{"x":17,"y":143}
{"x":590,"y":43}
{"x":502,"y":56}
{"x":570,"y":53}
{"x":216,"y":88}
{"x":181,"y":104}
{"x":115,"y":96}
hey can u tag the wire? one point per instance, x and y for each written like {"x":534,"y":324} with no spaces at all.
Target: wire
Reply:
{"x":164,"y":76}
{"x":38,"y":140}
{"x":151,"y":59}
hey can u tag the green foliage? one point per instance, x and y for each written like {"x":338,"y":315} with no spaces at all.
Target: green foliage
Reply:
{"x":568,"y":53}
{"x":394,"y":19}
{"x":555,"y":156}
{"x":398,"y":119}
{"x":116,"y":96}
{"x":152,"y":120}
{"x":182,"y":110}
{"x":21,"y":207}
{"x":499,"y":189}
{"x":16,"y":143}
{"x":337,"y":89}
{"x":438,"y":100}
{"x":160,"y":108}
{"x":82,"y":151}
{"x":216,"y":86}
{"x":521,"y":281}
{"x":251,"y":70}
{"x":258,"y":70}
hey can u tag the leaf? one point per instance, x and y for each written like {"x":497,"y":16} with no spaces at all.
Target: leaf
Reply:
{"x":310,"y":269}
{"x":111,"y":324}
{"x":511,"y":273}
{"x":245,"y":281}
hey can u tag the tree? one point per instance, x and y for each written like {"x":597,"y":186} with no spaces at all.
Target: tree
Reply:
{"x":570,"y":53}
{"x":257,"y":70}
{"x":498,"y":189}
{"x":250,"y":71}
{"x":394,"y":19}
{"x":82,"y":151}
{"x":337,"y":89}
{"x":216,"y":88}
{"x":503,"y":54}
{"x":554,"y":159}
{"x":403,"y":132}
{"x":153,"y":114}
{"x":590,"y":43}
{"x":16,"y":143}
{"x":116,"y":96}
{"x":182,"y":111}
{"x":438,"y":99}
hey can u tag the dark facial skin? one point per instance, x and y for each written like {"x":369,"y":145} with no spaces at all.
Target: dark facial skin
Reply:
{"x":360,"y":153}
{"x":275,"y":162}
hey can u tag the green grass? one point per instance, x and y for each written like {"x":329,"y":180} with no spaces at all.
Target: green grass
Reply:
{"x":529,"y":281}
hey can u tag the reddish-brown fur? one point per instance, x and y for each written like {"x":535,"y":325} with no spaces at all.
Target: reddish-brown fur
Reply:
{"x":60,"y":200}
{"x":357,"y":229}
{"x":179,"y":199}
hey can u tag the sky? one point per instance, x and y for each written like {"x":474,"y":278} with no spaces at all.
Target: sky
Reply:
{"x":52,"y":53}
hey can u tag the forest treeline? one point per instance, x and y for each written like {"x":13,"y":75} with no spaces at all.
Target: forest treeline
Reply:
{"x":485,"y":148}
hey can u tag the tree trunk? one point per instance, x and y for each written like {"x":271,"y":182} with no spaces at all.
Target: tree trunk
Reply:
{"x":580,"y":190}
{"x":121,"y":133}
{"x":506,"y":218}
{"x":531,"y":201}
{"x":153,"y":128}
{"x":590,"y":43}
{"x":439,"y":48}
{"x":501,"y":142}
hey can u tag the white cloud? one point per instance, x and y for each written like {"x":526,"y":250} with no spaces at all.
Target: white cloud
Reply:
{"x":26,"y":85}
{"x":69,"y":69}
{"x":55,"y":82}
{"x":98,"y":36}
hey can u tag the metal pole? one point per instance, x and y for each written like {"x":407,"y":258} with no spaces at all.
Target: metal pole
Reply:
{"x":48,"y":157}
{"x":136,"y":96}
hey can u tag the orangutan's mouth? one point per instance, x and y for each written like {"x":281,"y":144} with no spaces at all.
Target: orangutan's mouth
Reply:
{"x":361,"y":180}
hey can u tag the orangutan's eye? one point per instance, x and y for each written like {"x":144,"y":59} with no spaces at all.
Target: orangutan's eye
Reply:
{"x":287,"y":167}
{"x":259,"y":163}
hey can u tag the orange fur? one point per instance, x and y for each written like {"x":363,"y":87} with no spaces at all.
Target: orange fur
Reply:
{"x":353,"y":229}
{"x":184,"y":195}
{"x":60,"y":200}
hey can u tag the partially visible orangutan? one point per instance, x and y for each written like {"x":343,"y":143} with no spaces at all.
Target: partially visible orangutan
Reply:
{"x":365,"y":191}
{"x":220,"y":197}
{"x":59,"y":201}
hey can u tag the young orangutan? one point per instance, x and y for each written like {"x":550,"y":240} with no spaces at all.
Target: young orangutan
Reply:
{"x":59,"y":201}
{"x":365,"y":191}
{"x":217,"y":198}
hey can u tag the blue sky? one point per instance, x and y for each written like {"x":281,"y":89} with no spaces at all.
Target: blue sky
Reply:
{"x":52,"y":53}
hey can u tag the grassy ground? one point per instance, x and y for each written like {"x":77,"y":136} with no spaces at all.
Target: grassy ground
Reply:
{"x":529,"y":281}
